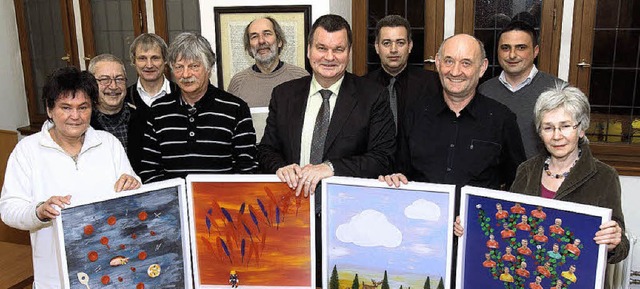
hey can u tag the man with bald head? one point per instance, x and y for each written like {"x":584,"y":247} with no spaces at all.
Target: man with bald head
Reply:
{"x":460,"y":137}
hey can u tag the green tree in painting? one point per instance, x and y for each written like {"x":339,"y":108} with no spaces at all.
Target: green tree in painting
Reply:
{"x":356,"y":283}
{"x":427,"y":284}
{"x":333,"y":280}
{"x":400,"y":286}
{"x":440,"y":284}
{"x":385,"y":281}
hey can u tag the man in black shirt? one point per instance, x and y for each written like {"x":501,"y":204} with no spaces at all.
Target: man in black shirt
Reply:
{"x":406,"y":84}
{"x":460,"y":137}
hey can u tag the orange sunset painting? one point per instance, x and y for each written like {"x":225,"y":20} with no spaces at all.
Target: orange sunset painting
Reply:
{"x":251,"y":233}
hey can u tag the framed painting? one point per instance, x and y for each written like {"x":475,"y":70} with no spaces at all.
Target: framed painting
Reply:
{"x":249,"y":231}
{"x":137,"y":240}
{"x":517,"y":241}
{"x":375,"y":235}
{"x":231,"y":22}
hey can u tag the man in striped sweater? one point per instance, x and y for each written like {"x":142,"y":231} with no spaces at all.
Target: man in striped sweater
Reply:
{"x":199,"y":128}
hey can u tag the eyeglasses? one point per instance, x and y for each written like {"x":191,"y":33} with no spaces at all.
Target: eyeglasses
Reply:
{"x":107,"y":80}
{"x":564,"y":129}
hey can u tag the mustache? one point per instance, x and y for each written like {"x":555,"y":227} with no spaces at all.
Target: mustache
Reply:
{"x":187,"y":80}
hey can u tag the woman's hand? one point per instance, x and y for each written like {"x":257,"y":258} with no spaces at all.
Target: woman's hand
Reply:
{"x":46,"y":211}
{"x":458,"y":229}
{"x":125,"y":183}
{"x":394,"y":179}
{"x":610,"y":234}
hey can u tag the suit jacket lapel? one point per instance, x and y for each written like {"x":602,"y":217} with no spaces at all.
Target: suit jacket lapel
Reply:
{"x":345,"y":103}
{"x":297,"y":108}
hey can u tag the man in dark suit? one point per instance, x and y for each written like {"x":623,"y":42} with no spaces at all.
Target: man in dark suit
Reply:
{"x":406,"y":84}
{"x":350,"y":112}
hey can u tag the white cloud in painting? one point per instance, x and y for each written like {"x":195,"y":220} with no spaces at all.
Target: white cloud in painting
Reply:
{"x":422,"y":209}
{"x":421,"y":249}
{"x":344,"y":196}
{"x":370,"y":228}
{"x":336,"y":252}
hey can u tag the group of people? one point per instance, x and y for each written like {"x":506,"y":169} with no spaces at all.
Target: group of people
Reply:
{"x":397,"y":123}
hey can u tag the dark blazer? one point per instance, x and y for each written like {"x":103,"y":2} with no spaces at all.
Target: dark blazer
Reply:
{"x":360,"y":140}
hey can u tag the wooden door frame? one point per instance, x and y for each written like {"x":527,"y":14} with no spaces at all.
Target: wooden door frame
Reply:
{"x":550,"y":30}
{"x":36,"y":119}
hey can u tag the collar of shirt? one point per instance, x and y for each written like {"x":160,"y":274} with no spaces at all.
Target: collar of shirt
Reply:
{"x":149,"y":99}
{"x":316,"y":87}
{"x":256,"y":69}
{"x":503,"y":80}
{"x":400,"y":77}
{"x":440,"y":106}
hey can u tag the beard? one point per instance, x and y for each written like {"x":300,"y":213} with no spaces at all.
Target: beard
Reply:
{"x":265,"y":59}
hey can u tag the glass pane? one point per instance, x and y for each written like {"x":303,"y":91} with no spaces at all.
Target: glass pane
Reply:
{"x":113,"y":31}
{"x":182,"y":16}
{"x":615,"y":72}
{"x":491,"y":16}
{"x":376,"y":12}
{"x":415,"y":13}
{"x":417,"y":52}
{"x":627,"y":48}
{"x":602,"y":50}
{"x":46,"y":41}
{"x":396,"y":7}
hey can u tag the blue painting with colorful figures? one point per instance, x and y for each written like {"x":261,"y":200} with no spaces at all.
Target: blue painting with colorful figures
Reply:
{"x":515,"y":245}
{"x":133,"y":241}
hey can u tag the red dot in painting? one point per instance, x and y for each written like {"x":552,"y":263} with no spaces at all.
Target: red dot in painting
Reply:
{"x":153,"y":233}
{"x":133,"y":236}
{"x":105,"y":279}
{"x":88,"y":230}
{"x":111,"y":221}
{"x":140,"y":286}
{"x":93,"y":256}
{"x":142,"y":216}
{"x":104,"y":240}
{"x":133,"y":269}
{"x":120,"y":279}
{"x":122,"y":246}
{"x":142,"y":255}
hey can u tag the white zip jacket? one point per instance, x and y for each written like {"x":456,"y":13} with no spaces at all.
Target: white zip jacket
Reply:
{"x":37,"y":169}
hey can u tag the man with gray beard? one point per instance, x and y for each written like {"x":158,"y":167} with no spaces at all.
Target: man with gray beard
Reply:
{"x":264,"y":41}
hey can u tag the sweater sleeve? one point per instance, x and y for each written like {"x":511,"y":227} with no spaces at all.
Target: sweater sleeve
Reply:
{"x":613,"y":201}
{"x":17,"y":204}
{"x":150,"y":164}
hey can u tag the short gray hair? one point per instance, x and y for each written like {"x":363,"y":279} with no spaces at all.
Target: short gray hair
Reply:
{"x":106,"y":57}
{"x":191,"y":46}
{"x":564,"y":96}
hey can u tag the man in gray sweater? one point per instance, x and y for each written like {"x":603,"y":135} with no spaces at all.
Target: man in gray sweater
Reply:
{"x":520,"y":83}
{"x":263,"y":40}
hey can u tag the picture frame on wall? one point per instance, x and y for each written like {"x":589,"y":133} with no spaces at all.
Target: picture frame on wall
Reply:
{"x":519,"y":241}
{"x":252,"y":230}
{"x":139,"y":239}
{"x":231,"y":22}
{"x":378,"y":235}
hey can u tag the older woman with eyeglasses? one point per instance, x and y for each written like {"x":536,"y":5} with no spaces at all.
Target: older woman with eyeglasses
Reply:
{"x":567,"y":171}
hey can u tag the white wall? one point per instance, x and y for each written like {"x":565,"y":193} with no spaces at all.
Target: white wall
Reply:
{"x":13,"y":102}
{"x":630,"y":199}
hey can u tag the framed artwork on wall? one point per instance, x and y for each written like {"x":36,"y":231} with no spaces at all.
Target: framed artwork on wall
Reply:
{"x":251,"y":231}
{"x":375,"y":235}
{"x":231,"y":22}
{"x":139,"y":239}
{"x":518,"y":241}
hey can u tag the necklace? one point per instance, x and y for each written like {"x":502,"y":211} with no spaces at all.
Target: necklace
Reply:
{"x":563,"y":175}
